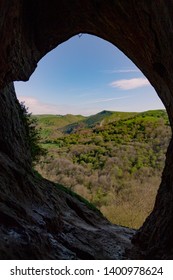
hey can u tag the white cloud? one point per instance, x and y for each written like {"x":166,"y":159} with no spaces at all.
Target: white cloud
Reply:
{"x":101,"y":100}
{"x":127,"y":84}
{"x":38,"y":107}
{"x":126,"y":71}
{"x":121,"y":71}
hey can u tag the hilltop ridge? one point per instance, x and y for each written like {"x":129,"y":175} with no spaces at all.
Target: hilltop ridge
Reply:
{"x":56,"y":125}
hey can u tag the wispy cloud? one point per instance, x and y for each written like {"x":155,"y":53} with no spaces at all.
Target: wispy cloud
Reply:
{"x":38,"y":107}
{"x":126,"y":71}
{"x":121,"y":71}
{"x":102,"y":100}
{"x":127,"y":84}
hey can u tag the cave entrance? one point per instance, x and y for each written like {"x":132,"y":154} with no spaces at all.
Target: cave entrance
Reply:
{"x":105,"y":139}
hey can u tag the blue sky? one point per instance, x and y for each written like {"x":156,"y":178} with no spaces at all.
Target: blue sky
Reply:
{"x":86,"y":75}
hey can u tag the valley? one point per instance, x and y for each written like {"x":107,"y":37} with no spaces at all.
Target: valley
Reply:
{"x":112,"y":159}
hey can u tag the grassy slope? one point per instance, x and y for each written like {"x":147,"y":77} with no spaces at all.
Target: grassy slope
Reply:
{"x":51,"y":125}
{"x":97,"y":119}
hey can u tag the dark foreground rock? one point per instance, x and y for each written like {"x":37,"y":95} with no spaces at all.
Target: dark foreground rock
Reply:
{"x":40,"y":221}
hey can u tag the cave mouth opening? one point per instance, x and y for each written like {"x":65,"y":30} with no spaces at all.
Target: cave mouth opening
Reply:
{"x":118,"y":169}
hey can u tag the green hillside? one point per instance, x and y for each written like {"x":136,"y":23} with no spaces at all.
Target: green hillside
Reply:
{"x":51,"y":125}
{"x":98,"y":119}
{"x":113,"y":159}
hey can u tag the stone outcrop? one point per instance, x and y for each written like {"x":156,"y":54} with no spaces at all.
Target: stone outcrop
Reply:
{"x":37,"y":219}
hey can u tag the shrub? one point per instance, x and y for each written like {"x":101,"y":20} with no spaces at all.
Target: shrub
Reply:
{"x":32,"y":134}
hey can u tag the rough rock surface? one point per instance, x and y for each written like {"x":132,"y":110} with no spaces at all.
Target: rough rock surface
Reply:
{"x":37,"y":220}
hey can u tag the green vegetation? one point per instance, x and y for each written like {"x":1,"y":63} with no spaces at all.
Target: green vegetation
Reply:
{"x":32,"y":134}
{"x":112,"y":159}
{"x":51,"y":125}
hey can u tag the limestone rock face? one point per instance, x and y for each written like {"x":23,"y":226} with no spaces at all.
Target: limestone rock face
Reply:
{"x":37,"y":219}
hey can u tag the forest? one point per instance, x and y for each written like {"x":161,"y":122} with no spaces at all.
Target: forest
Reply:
{"x":113,"y":159}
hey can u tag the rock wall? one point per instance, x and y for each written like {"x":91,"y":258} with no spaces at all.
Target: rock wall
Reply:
{"x":143,"y":30}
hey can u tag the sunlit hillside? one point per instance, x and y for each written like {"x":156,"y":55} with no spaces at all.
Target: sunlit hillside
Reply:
{"x":113,"y":159}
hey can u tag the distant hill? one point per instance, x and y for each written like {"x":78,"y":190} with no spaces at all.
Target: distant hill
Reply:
{"x":56,"y":125}
{"x":97,"y":119}
{"x":51,"y":125}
